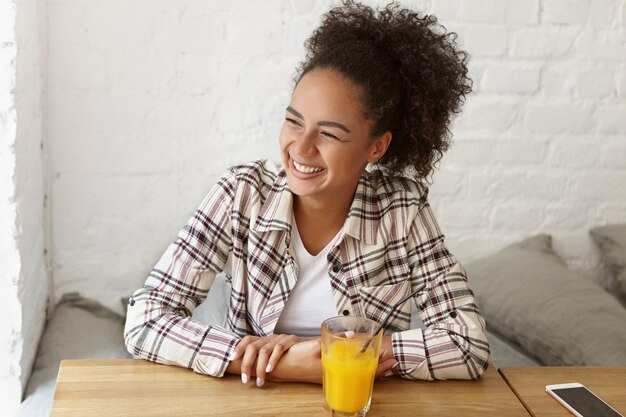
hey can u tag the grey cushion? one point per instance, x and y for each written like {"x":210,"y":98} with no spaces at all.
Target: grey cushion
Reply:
{"x":611,"y":240}
{"x":504,"y":353}
{"x":79,"y":328}
{"x":527,"y":295}
{"x":214,"y":309}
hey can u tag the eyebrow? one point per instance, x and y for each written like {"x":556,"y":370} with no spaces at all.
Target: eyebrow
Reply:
{"x":322,"y":123}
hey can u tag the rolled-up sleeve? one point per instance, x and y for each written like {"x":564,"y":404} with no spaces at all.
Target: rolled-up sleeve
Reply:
{"x":453,"y":344}
{"x":158,"y":326}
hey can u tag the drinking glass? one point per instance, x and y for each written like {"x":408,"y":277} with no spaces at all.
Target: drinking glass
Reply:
{"x":349,"y":373}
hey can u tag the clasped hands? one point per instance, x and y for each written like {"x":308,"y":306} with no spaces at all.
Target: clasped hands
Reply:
{"x":284,"y":357}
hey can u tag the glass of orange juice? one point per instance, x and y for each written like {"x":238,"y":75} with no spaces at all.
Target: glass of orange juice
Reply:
{"x":348,"y":372}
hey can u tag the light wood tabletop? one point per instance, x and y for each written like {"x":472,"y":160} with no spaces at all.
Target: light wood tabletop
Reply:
{"x":140,"y":388}
{"x":529,"y":384}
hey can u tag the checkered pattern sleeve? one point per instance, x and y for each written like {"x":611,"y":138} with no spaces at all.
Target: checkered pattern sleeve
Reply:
{"x":453,"y":345}
{"x":158,"y":324}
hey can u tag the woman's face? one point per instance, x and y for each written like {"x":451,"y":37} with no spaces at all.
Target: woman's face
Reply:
{"x":325,"y":140}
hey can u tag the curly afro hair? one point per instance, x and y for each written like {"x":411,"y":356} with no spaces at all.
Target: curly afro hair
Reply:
{"x":413,"y":77}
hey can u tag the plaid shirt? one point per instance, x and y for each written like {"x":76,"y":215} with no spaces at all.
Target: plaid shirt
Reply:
{"x":390,"y":245}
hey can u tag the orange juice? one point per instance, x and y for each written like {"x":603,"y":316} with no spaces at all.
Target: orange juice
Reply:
{"x":348,"y":374}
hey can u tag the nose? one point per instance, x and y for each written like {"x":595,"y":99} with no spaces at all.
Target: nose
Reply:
{"x":304,"y":144}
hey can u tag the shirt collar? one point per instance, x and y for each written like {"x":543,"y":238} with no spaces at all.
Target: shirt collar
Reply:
{"x":276,"y":211}
{"x":364,"y":214}
{"x":362,"y":221}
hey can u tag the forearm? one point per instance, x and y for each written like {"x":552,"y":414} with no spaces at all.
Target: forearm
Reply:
{"x":159,"y":335}
{"x":294,"y":367}
{"x":453,"y":345}
{"x":301,"y":363}
{"x":289,"y":369}
{"x":444,"y":351}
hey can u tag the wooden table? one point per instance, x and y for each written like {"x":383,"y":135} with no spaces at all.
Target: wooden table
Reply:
{"x":529,"y":384}
{"x":139,"y":388}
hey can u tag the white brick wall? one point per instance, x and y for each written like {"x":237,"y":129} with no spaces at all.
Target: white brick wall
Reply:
{"x":150,"y":102}
{"x":24,"y":283}
{"x":552,"y":109}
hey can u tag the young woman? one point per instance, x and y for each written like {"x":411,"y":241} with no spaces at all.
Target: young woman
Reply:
{"x":323,"y":234}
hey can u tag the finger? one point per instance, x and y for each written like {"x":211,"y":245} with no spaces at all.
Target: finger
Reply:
{"x":277,"y":353}
{"x":381,"y":373}
{"x":385,"y":367}
{"x":241,"y":347}
{"x":279,"y":349}
{"x":249,"y":356}
{"x":262,"y":364}
{"x":395,"y":368}
{"x":386,"y":355}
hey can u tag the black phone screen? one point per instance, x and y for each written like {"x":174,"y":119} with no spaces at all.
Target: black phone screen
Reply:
{"x":587,"y":404}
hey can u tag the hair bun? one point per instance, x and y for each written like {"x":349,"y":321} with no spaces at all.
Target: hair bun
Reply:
{"x":413,"y":76}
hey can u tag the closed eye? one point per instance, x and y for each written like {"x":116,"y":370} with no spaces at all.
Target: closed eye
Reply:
{"x":329,"y":135}
{"x":292,"y":121}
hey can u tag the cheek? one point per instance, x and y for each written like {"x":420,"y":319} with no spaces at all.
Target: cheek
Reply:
{"x":351,"y":162}
{"x":282,"y":137}
{"x":339,"y":160}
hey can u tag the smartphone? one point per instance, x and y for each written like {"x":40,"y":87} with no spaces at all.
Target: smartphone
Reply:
{"x":580,"y":401}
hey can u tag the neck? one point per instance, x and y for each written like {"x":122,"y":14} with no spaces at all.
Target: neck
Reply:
{"x":327,"y":214}
{"x":318,"y":222}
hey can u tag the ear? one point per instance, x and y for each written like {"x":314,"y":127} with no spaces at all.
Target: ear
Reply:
{"x":379,"y":147}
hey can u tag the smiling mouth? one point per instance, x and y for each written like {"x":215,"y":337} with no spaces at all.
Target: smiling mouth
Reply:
{"x":305,"y":169}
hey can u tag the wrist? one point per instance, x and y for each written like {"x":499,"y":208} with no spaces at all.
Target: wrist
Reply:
{"x":293,"y":368}
{"x":234,"y":367}
{"x":301,"y":363}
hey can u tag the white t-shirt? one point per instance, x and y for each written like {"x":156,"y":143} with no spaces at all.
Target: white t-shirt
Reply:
{"x":311,"y":300}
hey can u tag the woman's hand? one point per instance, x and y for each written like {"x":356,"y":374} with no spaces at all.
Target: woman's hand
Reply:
{"x":301,"y":363}
{"x":262,"y":354}
{"x":291,"y":358}
{"x":386,"y":364}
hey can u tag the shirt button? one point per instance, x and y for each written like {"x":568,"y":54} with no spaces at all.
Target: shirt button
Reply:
{"x":131,"y":302}
{"x":346,"y":312}
{"x":336,"y":269}
{"x":453,"y":314}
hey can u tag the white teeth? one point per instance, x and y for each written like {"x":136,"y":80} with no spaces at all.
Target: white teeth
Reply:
{"x":305,"y":169}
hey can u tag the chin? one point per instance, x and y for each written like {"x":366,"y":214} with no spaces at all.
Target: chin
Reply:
{"x":299,"y":189}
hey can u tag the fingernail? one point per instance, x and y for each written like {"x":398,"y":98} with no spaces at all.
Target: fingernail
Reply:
{"x":268,"y":368}
{"x":244,"y":378}
{"x":259,"y":382}
{"x":232,"y":355}
{"x":395,"y":365}
{"x":388,"y":373}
